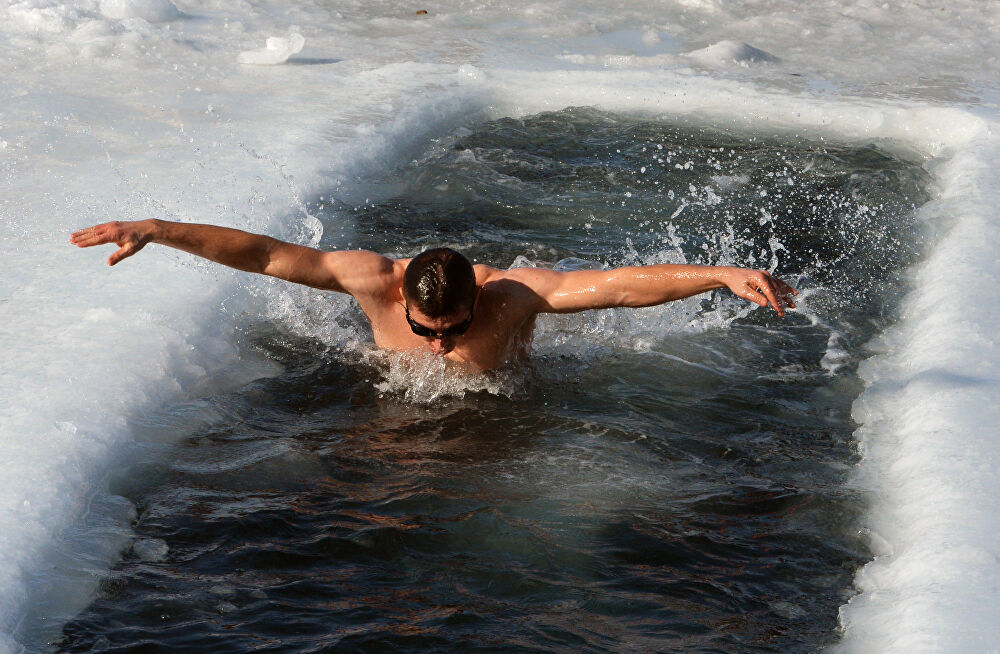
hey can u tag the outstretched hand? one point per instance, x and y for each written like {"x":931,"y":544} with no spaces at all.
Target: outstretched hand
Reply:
{"x":130,"y":237}
{"x":761,"y":288}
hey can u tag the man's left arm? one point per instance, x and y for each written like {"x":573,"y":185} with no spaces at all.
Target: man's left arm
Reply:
{"x":643,"y":286}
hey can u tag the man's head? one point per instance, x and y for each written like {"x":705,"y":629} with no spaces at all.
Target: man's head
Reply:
{"x":440,"y":283}
{"x":439,"y":287}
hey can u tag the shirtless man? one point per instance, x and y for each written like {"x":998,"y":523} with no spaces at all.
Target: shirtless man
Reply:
{"x":438,"y":301}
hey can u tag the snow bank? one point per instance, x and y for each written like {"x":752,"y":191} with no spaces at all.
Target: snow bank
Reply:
{"x":929,"y":436}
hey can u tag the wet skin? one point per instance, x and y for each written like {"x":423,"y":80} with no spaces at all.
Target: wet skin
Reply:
{"x":505,"y":308}
{"x":501,"y":329}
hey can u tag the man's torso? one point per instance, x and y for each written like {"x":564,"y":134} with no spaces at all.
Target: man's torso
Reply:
{"x":500,"y":331}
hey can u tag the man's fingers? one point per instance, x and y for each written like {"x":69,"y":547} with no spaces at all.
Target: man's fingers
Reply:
{"x":87,"y":240}
{"x":97,"y":235}
{"x":785,"y":292}
{"x":769,"y":292}
{"x":125,"y":236}
{"x":784,"y":288}
{"x":83,"y":237}
{"x":123,"y":252}
{"x":750,"y":293}
{"x":761,"y":288}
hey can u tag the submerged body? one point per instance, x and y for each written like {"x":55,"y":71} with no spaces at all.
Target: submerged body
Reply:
{"x":484,"y":328}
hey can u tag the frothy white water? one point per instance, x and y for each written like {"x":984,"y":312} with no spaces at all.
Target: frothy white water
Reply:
{"x":424,"y":378}
{"x":130,"y":110}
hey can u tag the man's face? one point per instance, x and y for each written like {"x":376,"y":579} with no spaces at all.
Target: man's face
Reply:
{"x":442,"y":333}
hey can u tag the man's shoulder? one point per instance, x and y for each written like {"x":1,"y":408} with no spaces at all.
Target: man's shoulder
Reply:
{"x":364,"y":273}
{"x":498,"y":278}
{"x":523,"y":274}
{"x":514,"y":284}
{"x":486,"y":273}
{"x":519,"y":272}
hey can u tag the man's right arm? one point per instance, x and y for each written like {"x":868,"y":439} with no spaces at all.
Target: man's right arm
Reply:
{"x":344,"y":271}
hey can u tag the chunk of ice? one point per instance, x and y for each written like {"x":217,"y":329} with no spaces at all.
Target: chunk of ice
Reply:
{"x":725,"y":53}
{"x":154,"y":11}
{"x":277,"y":51}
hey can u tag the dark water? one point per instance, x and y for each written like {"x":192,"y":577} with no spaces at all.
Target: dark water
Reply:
{"x":668,"y":480}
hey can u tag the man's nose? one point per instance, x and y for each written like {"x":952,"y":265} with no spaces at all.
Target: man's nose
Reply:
{"x":441,"y":346}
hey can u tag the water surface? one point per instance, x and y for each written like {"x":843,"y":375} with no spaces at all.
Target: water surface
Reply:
{"x":667,"y":479}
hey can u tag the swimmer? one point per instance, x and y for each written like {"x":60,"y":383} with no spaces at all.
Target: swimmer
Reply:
{"x":438,"y":301}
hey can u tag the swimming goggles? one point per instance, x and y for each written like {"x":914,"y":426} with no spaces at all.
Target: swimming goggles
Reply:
{"x":426,"y":332}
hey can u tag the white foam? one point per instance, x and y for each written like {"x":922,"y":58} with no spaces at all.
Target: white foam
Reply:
{"x":423,"y":378}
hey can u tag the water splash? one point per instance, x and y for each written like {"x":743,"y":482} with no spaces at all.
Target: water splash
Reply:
{"x":423,"y":378}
